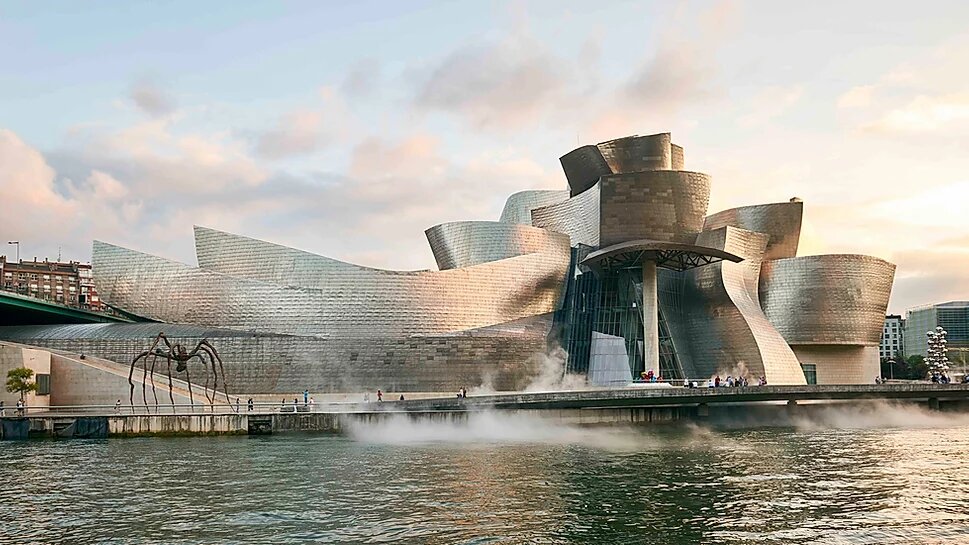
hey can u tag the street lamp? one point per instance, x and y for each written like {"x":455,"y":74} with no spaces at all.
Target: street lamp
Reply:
{"x":17,"y":244}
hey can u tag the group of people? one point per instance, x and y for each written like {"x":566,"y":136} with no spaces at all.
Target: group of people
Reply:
{"x":729,"y":382}
{"x":308,"y":402}
{"x":21,"y":408}
{"x":650,"y":376}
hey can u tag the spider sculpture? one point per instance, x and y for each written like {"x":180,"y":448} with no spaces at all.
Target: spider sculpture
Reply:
{"x":176,"y":352}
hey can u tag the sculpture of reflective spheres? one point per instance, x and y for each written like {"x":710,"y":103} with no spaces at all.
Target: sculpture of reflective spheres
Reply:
{"x":624,"y":270}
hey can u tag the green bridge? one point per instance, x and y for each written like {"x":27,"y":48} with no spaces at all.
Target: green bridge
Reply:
{"x":18,"y":309}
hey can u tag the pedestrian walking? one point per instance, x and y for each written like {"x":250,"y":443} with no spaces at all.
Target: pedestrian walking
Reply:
{"x":249,"y":404}
{"x":312,"y":404}
{"x":117,"y":406}
{"x":1,"y":408}
{"x":380,"y":395}
{"x":237,"y":404}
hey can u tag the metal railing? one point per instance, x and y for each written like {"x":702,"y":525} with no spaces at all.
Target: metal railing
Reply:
{"x":257,"y":408}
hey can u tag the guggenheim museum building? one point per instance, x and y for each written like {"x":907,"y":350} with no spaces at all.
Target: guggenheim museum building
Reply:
{"x":622,"y":272}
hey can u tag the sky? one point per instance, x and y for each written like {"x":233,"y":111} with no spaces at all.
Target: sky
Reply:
{"x":348,"y":128}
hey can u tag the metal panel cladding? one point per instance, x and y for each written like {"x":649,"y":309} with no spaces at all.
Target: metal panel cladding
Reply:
{"x":782,"y":221}
{"x":466,"y":243}
{"x":518,"y":208}
{"x":827,"y":299}
{"x":638,"y":153}
{"x":233,"y":290}
{"x":663,"y":205}
{"x":583,"y":167}
{"x":728,"y":332}
{"x":577,"y":217}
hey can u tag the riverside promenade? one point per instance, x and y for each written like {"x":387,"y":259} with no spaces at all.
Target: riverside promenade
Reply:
{"x":630,"y":405}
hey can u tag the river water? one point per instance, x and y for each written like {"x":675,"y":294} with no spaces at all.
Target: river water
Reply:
{"x":874,"y":475}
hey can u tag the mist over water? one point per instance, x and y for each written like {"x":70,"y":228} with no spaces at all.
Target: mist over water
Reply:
{"x":871,"y":474}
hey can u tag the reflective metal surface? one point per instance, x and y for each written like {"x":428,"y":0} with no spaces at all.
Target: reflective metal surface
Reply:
{"x":577,"y":217}
{"x":583,"y":167}
{"x":518,"y":208}
{"x":664,"y":205}
{"x":505,"y":357}
{"x":467,"y":243}
{"x":782,"y":221}
{"x":638,"y":153}
{"x":827,"y":299}
{"x":721,"y":322}
{"x":232,"y":289}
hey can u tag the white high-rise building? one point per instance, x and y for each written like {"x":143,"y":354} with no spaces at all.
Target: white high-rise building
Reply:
{"x":891,"y":343}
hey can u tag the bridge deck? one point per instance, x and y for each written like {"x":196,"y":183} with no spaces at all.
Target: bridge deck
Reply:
{"x":650,"y":397}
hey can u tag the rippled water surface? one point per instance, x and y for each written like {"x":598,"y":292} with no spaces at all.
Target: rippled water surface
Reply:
{"x":497,"y":479}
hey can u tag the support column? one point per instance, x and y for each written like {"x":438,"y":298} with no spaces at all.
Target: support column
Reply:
{"x":650,"y":318}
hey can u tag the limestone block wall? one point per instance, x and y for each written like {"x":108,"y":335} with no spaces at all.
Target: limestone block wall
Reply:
{"x":841,"y":364}
{"x":85,"y":382}
{"x":12,"y":357}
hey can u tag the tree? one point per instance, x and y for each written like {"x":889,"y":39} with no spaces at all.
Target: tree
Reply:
{"x":916,"y":368}
{"x":18,"y":380}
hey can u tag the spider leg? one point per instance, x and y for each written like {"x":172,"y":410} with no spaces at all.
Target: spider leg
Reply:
{"x":144,"y":386}
{"x":208,"y":393}
{"x":131,"y":382}
{"x":215,"y":356}
{"x":191,"y":397}
{"x":171,"y":393}
{"x":154,"y":392}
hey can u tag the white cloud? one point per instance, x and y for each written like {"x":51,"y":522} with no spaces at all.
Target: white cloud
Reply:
{"x":857,"y":97}
{"x":925,"y":114}
{"x":296,"y":133}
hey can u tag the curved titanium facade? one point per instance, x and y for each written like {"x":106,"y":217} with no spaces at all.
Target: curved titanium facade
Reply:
{"x":664,"y":205}
{"x":827,"y":299}
{"x":726,"y":331}
{"x":782,"y":221}
{"x":235,"y":292}
{"x":638,"y":153}
{"x":518,"y":207}
{"x":467,"y":243}
{"x":583,"y":167}
{"x":577,"y":217}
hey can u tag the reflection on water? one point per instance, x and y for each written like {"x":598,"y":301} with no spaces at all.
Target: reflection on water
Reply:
{"x":840,"y":478}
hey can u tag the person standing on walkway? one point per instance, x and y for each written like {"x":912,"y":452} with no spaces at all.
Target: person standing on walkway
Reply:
{"x":306,"y":397}
{"x":380,"y":395}
{"x":237,"y":404}
{"x":312,"y":404}
{"x":249,"y":403}
{"x":117,"y":406}
{"x":1,"y":408}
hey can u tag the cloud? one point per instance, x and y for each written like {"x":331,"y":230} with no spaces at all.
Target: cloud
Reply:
{"x":501,"y":84}
{"x":919,"y":96}
{"x":925,"y":114}
{"x":296,"y":133}
{"x":363,"y":78}
{"x":151,"y":99}
{"x":857,"y":97}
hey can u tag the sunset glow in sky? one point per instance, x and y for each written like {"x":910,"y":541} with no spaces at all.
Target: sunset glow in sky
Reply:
{"x":347,"y":128}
